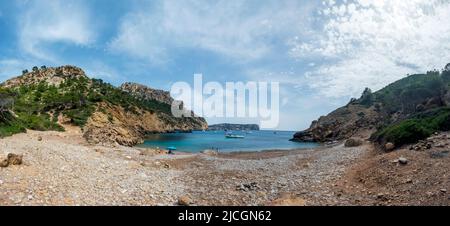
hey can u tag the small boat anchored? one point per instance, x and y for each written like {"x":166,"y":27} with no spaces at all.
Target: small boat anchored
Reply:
{"x":233,"y":136}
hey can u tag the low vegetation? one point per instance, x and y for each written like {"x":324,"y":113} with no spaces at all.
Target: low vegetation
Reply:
{"x":415,"y":128}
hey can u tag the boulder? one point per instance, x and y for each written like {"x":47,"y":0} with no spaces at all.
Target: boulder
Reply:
{"x":353,"y":142}
{"x":11,"y":159}
{"x":4,"y":163}
{"x":389,"y":146}
{"x":14,"y":159}
{"x":39,"y":138}
{"x":403,"y":161}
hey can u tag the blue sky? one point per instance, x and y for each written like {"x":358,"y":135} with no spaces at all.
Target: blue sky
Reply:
{"x":321,"y":52}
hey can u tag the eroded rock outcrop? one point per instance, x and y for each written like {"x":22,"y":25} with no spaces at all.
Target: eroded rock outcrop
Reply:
{"x":114,"y":125}
{"x":147,"y":93}
{"x":51,"y":75}
{"x":341,"y":124}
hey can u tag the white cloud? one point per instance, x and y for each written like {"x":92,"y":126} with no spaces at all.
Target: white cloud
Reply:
{"x":47,"y":21}
{"x":374,"y":42}
{"x":243,"y":30}
{"x":13,"y":67}
{"x":98,"y":69}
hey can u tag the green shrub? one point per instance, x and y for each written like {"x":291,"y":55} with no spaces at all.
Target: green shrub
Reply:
{"x":416,"y":128}
{"x":39,"y":122}
{"x":9,"y":125}
{"x":408,"y":131}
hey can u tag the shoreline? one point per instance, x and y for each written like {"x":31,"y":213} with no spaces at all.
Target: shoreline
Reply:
{"x":234,"y":150}
{"x":61,"y":168}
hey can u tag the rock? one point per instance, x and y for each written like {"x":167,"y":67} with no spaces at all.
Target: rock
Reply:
{"x":444,"y":190}
{"x":389,"y":146}
{"x":353,"y":142}
{"x":11,"y":159}
{"x":4,"y":163}
{"x":14,"y":159}
{"x":403,"y":161}
{"x":166,"y":165}
{"x":39,"y":138}
{"x":248,"y":187}
{"x":185,"y":200}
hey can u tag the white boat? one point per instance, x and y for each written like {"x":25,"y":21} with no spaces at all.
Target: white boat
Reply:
{"x":232,"y":136}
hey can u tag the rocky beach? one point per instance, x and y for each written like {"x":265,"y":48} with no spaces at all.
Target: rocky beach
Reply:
{"x":61,"y":168}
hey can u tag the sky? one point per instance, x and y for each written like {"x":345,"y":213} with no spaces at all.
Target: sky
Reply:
{"x":322,"y":52}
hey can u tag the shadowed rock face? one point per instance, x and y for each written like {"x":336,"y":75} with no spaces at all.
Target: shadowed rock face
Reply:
{"x":341,"y":124}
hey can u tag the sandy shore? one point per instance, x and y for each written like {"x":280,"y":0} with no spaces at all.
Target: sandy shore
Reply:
{"x":62,"y":169}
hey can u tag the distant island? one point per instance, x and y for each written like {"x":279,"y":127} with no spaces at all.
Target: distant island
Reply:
{"x":228,"y":126}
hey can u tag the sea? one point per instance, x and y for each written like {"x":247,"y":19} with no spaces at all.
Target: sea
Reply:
{"x":198,"y":141}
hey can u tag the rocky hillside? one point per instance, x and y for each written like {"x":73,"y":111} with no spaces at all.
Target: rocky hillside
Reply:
{"x":51,"y":76}
{"x":228,"y":126}
{"x":143,"y":92}
{"x":48,"y":98}
{"x":404,"y":112}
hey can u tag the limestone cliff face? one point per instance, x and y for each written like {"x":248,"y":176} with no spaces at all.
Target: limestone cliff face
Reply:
{"x":114,"y":125}
{"x":147,"y":93}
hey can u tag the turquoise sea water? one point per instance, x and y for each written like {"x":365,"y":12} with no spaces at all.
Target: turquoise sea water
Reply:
{"x":201,"y":140}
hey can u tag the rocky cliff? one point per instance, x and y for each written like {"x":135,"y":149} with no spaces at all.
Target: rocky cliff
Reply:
{"x":340,"y":124}
{"x":403,"y":112}
{"x":52,"y":76}
{"x":106,"y":114}
{"x":143,"y":92}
